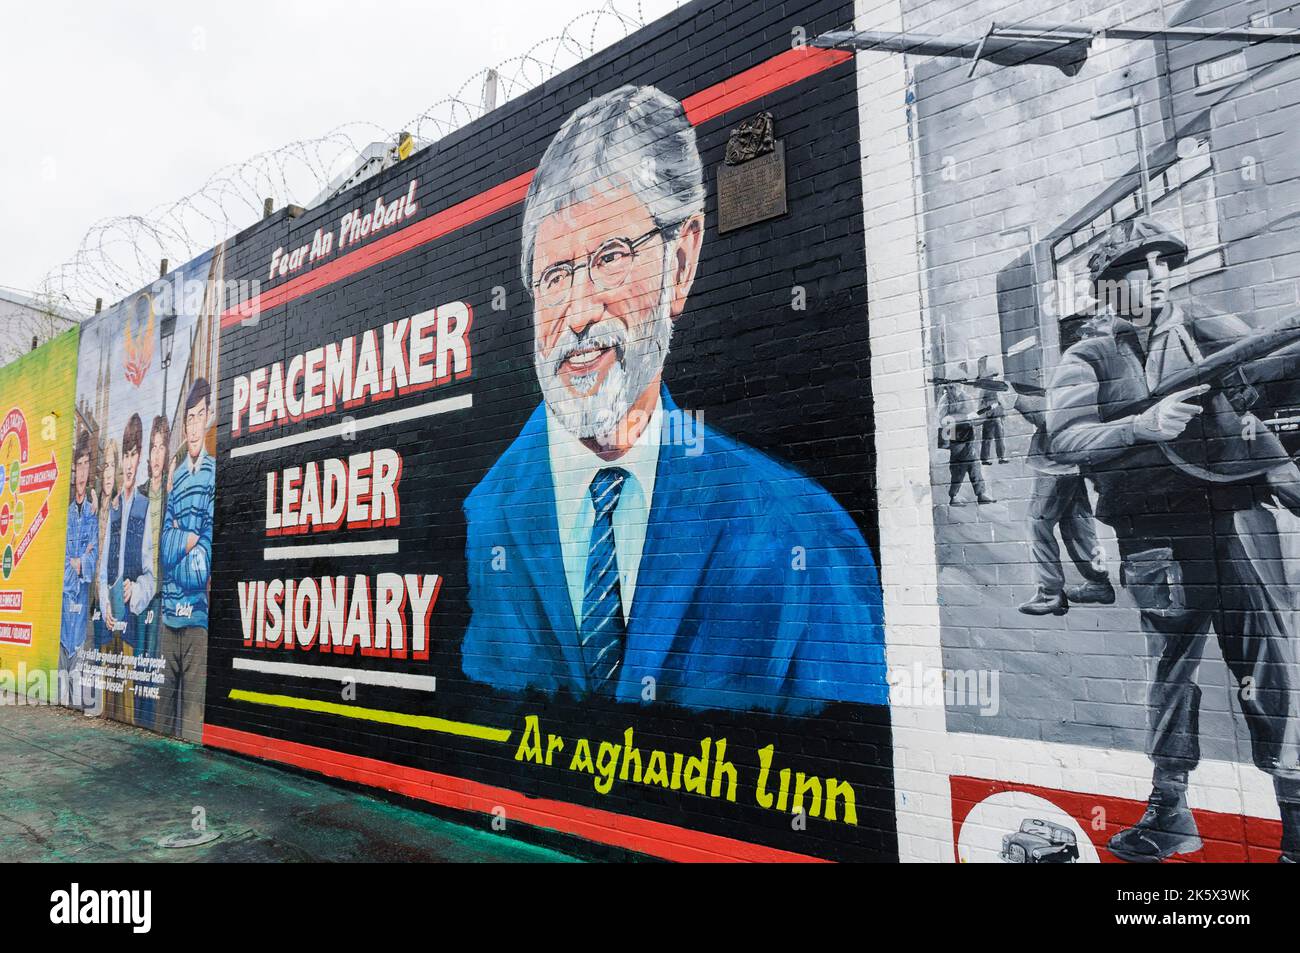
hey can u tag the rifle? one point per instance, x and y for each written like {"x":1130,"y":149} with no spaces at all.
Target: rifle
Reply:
{"x":1226,"y":442}
{"x":994,"y":385}
{"x":1215,"y":369}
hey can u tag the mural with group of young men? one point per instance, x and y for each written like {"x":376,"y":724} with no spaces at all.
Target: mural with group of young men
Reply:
{"x":138,"y":557}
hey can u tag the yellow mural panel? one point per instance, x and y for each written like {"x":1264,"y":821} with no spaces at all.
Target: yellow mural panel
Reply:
{"x":36,"y":429}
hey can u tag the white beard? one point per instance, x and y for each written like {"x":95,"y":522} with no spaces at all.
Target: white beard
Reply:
{"x":592,"y":409}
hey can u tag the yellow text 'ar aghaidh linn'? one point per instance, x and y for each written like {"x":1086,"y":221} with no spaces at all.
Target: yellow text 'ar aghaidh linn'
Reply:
{"x":709,"y":773}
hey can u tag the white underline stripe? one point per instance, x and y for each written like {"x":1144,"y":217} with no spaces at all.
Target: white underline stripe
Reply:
{"x":335,"y":673}
{"x":376,"y":547}
{"x":440,"y":406}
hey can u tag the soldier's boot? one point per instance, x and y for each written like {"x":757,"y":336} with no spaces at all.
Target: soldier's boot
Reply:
{"x":1288,"y":800}
{"x":985,"y":498}
{"x":1095,"y":591}
{"x":1046,"y":602}
{"x":1167,"y":828}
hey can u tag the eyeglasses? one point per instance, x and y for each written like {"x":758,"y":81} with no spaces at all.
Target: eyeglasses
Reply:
{"x":609,"y":265}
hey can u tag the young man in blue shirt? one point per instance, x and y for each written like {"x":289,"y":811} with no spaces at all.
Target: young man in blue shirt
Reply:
{"x":186,"y":563}
{"x":81,"y":552}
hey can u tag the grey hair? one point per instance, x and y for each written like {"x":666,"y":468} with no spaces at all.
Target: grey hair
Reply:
{"x":634,"y":136}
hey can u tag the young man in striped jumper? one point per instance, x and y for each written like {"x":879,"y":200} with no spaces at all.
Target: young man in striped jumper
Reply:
{"x":186,"y":560}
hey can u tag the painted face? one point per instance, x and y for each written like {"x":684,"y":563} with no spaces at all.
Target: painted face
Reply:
{"x":157,"y":458}
{"x":196,"y":425}
{"x":600,"y":341}
{"x":1146,"y":289}
{"x":82,"y":476}
{"x":130,"y":464}
{"x":109,"y":477}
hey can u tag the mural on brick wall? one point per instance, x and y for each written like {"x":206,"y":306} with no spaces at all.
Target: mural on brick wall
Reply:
{"x":1112,"y":272}
{"x":139,"y":535}
{"x":36,"y":392}
{"x":547,"y":489}
{"x":638,"y":492}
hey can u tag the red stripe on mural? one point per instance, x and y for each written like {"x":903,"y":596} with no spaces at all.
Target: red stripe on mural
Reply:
{"x":603,"y":827}
{"x":1228,"y":838}
{"x":782,"y":70}
{"x":426,"y":230}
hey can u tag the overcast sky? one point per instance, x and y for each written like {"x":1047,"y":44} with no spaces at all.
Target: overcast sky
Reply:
{"x":115,"y":108}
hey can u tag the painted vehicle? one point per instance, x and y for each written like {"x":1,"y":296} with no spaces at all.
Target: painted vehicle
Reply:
{"x":1040,"y":842}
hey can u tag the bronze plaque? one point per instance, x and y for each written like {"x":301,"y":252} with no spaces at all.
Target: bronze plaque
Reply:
{"x":752,"y":191}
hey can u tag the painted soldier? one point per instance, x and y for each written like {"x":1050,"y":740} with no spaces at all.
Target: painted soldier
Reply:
{"x":957,"y":434}
{"x":991,"y":413}
{"x":1199,"y":542}
{"x":1059,"y":500}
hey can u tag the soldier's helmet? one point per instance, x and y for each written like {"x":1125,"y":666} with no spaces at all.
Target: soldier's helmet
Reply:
{"x":1129,"y":243}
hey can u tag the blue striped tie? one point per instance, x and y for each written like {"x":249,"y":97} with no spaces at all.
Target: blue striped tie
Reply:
{"x":603,"y":630}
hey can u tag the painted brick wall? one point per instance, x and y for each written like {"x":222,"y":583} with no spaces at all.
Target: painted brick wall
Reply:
{"x":758,"y":629}
{"x":37,"y":393}
{"x":940,"y":226}
{"x":983,"y":211}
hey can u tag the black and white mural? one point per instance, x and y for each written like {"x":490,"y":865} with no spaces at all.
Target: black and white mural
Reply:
{"x":1110,"y":264}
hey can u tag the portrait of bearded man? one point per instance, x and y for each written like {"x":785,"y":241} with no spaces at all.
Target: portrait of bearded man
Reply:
{"x":620,"y":548}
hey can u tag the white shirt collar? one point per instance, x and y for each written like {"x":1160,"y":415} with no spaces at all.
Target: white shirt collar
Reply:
{"x":573,"y":466}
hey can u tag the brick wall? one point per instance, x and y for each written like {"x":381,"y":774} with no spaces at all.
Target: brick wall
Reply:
{"x":35,"y":457}
{"x":982,"y":218}
{"x":756,"y":616}
{"x":892,"y":672}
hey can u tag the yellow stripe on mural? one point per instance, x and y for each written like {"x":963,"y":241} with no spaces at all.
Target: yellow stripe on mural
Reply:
{"x":422,"y":722}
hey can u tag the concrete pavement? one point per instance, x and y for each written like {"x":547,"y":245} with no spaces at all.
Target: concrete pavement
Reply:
{"x":83,"y":789}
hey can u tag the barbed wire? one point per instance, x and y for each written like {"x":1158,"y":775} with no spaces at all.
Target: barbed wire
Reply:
{"x":119,"y":254}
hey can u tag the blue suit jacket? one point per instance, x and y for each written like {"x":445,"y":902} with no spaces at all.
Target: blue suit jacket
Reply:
{"x":727,"y":612}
